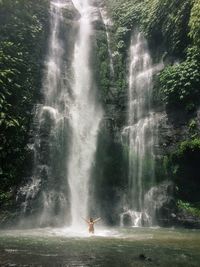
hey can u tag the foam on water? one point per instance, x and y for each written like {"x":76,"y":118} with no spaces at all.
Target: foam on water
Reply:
{"x":65,"y":232}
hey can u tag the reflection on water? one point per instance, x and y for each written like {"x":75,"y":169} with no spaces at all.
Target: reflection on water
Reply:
{"x":107,"y":248}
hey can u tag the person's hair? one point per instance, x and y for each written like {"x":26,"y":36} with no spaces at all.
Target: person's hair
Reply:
{"x":91,"y":219}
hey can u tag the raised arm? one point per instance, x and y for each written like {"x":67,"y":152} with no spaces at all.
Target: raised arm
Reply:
{"x":98,"y":219}
{"x":85,"y":220}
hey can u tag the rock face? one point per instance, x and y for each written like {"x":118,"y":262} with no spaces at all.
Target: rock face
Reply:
{"x":160,"y":199}
{"x":29,"y":196}
{"x":187,"y":220}
{"x":69,"y":28}
{"x":110,"y":169}
{"x":70,"y":12}
{"x":173,"y":128}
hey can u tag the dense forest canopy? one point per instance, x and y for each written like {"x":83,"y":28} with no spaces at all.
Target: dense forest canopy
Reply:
{"x":24,"y":27}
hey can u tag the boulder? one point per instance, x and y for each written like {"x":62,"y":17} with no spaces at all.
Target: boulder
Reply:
{"x":160,"y":203}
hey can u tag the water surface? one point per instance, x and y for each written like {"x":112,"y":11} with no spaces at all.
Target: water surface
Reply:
{"x":107,"y":248}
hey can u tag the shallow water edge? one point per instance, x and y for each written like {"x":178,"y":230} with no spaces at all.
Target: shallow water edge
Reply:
{"x":108,"y":247}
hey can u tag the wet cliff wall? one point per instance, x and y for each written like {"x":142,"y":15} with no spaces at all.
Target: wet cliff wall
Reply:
{"x":24,"y":33}
{"x":172,"y":31}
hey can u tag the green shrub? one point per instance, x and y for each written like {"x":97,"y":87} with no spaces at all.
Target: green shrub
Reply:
{"x":180,"y":82}
{"x":184,"y":167}
{"x":191,"y":209}
{"x":194,"y":23}
{"x":163,"y":21}
{"x":167,"y":21}
{"x":24,"y":28}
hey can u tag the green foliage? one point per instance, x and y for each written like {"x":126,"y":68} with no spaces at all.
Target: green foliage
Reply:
{"x":101,"y":63}
{"x":125,"y":13}
{"x":180,"y":82}
{"x":193,"y":128}
{"x":195,"y":23}
{"x":23,"y":26}
{"x":171,"y":26}
{"x":5,"y":197}
{"x":188,"y":146}
{"x":192,"y":125}
{"x":163,"y":21}
{"x":183,"y":166}
{"x":120,"y":72}
{"x":190,"y":209}
{"x":166,"y":24}
{"x":167,"y":21}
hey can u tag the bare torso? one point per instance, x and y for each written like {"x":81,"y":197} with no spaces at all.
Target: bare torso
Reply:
{"x":91,"y":223}
{"x":91,"y":227}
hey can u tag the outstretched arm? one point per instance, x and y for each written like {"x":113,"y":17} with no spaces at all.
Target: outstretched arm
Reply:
{"x":98,"y":219}
{"x":85,"y":220}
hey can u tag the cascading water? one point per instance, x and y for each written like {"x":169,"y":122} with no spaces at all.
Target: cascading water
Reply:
{"x":67,"y":127}
{"x":108,"y":23}
{"x":46,"y":195}
{"x":140,"y":133}
{"x":85,"y":116}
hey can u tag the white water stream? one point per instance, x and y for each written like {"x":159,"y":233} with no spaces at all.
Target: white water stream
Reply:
{"x":85,"y":116}
{"x":67,"y":127}
{"x":68,"y":124}
{"x":140,"y":132}
{"x":45,"y":189}
{"x":108,"y":24}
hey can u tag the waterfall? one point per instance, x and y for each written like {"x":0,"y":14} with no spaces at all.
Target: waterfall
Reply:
{"x":66,"y":126}
{"x":46,"y":195}
{"x":140,"y":134}
{"x":85,"y":116}
{"x":108,"y":23}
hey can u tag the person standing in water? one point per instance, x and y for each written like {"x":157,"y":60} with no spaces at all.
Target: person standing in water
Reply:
{"x":91,"y":223}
